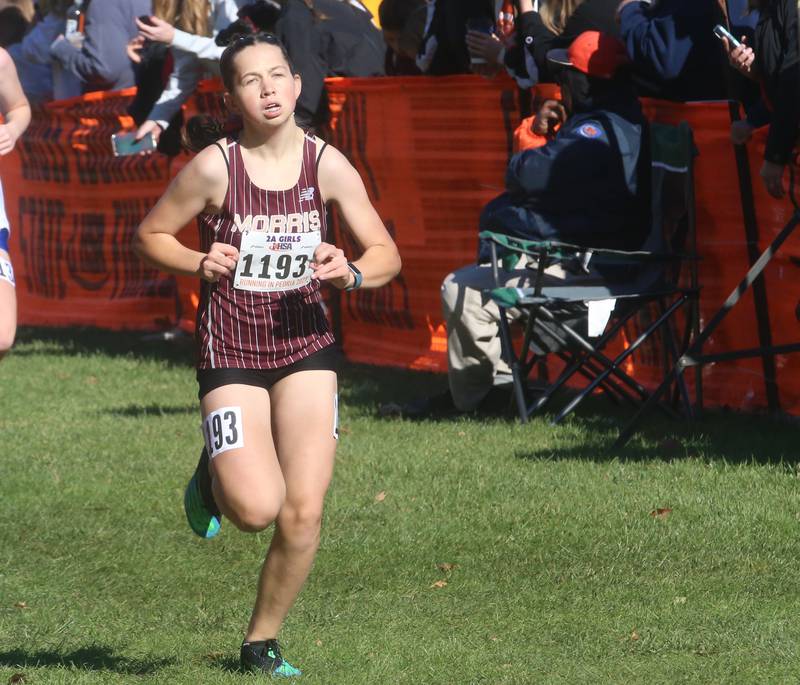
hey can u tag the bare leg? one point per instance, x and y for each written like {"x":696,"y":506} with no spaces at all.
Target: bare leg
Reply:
{"x":8,"y":312}
{"x":302,"y":424}
{"x":247,"y":482}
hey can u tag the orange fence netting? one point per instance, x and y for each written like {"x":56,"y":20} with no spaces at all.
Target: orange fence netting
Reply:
{"x":431,"y":152}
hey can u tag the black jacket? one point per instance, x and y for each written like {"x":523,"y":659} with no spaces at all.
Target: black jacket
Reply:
{"x":538,"y":40}
{"x":777,"y":65}
{"x":444,"y":48}
{"x":335,"y":40}
{"x":589,"y":186}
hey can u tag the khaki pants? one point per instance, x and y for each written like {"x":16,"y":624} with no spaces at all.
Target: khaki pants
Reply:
{"x":474,"y":359}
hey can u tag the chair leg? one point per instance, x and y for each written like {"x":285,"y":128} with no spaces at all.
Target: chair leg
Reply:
{"x":629,"y":429}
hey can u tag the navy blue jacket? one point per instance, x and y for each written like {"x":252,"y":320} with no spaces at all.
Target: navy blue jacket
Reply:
{"x":676,"y":53}
{"x":589,"y":186}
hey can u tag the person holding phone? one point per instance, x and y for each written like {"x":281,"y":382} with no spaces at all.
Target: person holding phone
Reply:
{"x":266,"y":361}
{"x":102,"y":63}
{"x":17,"y":115}
{"x":774,"y":62}
{"x":189,"y":28}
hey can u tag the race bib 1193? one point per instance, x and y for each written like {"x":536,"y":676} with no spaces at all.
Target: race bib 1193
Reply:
{"x":271,"y":262}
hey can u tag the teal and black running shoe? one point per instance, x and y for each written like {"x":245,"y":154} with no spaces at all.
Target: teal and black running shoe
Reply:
{"x":202,"y":512}
{"x":264,"y":656}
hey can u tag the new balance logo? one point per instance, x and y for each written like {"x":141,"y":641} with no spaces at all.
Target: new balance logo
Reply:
{"x":307,"y":194}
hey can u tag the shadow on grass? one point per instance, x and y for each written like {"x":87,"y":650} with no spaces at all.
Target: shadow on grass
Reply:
{"x":177,"y":350}
{"x":95,"y":658}
{"x":229,"y":664}
{"x":720,"y":436}
{"x":138,"y":410}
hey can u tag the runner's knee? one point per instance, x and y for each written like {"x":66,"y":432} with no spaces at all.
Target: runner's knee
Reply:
{"x":255,"y":516}
{"x":301,"y":523}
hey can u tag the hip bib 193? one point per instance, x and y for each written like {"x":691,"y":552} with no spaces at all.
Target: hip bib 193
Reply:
{"x":272,"y":262}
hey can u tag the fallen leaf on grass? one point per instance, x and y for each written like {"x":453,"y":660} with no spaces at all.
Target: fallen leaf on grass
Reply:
{"x":380,"y":496}
{"x":660,"y":513}
{"x":679,"y":600}
{"x":446,"y":567}
{"x":16,"y":679}
{"x":21,"y":605}
{"x":634,"y":636}
{"x":439,"y":584}
{"x":494,"y":638}
{"x":318,"y":643}
{"x":91,"y":380}
{"x":344,"y":430}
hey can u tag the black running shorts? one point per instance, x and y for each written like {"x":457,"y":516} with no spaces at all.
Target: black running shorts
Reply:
{"x":327,"y":359}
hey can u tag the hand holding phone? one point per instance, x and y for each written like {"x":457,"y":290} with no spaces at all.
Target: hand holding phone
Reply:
{"x":721,"y":32}
{"x":482,"y":29}
{"x":740,"y":56}
{"x":124,"y":144}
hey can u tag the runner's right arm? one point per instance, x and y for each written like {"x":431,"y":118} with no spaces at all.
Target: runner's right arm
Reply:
{"x":200,"y":186}
{"x":13,"y":105}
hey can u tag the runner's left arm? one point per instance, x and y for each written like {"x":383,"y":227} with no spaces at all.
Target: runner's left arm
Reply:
{"x":13,"y":105}
{"x":380,"y":261}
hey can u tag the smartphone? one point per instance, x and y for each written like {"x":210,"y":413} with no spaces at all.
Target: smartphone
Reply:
{"x":145,"y":19}
{"x":480,"y":25}
{"x":125,"y":144}
{"x":721,"y":32}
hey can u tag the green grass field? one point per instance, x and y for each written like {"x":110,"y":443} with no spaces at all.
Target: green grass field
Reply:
{"x":552,"y":568}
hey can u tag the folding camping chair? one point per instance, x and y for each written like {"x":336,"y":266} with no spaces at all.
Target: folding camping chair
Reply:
{"x":655,"y":279}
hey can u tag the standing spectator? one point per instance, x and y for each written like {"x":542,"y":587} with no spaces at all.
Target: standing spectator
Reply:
{"x":444,"y":47}
{"x":558,"y":23}
{"x":44,"y":79}
{"x":673,"y":46}
{"x":102,"y":62}
{"x":774,"y":62}
{"x":403,"y":25}
{"x":17,"y":115}
{"x":189,"y":27}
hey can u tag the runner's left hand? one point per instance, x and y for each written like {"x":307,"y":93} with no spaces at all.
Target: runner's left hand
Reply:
{"x":330,"y":265}
{"x":7,"y":140}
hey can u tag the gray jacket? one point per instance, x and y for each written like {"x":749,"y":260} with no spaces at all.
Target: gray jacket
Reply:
{"x":102,"y":63}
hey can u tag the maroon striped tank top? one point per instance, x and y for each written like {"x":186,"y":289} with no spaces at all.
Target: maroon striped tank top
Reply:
{"x":244,"y":329}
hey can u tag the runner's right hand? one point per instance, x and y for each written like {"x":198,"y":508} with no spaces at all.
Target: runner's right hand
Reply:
{"x":220,"y":261}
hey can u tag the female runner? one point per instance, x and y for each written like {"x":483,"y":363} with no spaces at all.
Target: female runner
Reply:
{"x":17,"y":113}
{"x":265,"y":351}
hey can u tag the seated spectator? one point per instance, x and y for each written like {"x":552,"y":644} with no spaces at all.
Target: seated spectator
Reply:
{"x":189,"y":28}
{"x":589,"y":186}
{"x":102,"y":62}
{"x":13,"y":26}
{"x":774,"y":61}
{"x":673,"y":45}
{"x":44,"y":79}
{"x":403,"y":25}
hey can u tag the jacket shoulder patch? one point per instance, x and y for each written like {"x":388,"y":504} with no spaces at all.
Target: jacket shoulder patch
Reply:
{"x":590,"y":130}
